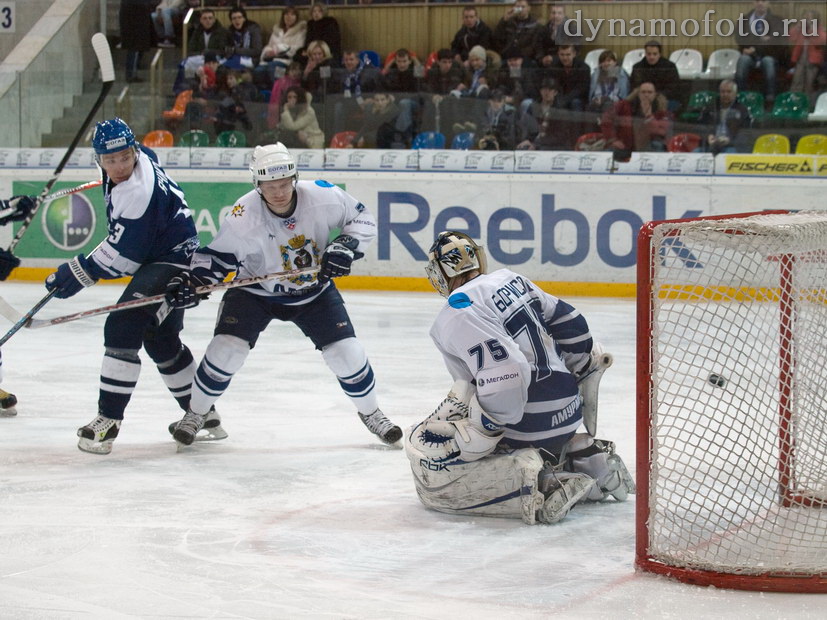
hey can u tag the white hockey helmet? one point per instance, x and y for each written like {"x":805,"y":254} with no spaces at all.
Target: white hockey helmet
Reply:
{"x":452,"y":255}
{"x":272,"y":162}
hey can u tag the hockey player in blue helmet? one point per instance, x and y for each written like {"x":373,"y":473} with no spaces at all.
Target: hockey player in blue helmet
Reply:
{"x":151,"y":238}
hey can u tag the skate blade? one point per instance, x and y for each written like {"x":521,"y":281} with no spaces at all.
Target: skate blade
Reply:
{"x":8,"y":413}
{"x":95,"y":447}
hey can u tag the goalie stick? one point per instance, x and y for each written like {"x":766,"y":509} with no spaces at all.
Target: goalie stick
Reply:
{"x":101,"y":47}
{"x":13,"y":315}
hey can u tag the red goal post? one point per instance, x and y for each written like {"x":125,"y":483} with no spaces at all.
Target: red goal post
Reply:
{"x":732,"y":401}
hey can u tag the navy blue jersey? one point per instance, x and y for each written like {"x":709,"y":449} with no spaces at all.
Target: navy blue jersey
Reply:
{"x":149,"y":221}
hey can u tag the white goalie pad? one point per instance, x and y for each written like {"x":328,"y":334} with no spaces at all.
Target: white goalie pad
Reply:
{"x":589,"y":384}
{"x":500,"y":485}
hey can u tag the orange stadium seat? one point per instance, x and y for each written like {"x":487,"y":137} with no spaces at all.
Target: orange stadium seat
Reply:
{"x":342,"y":139}
{"x":159,"y":137}
{"x":684,"y":143}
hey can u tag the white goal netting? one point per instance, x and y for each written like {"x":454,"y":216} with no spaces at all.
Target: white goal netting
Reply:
{"x":738,"y":395}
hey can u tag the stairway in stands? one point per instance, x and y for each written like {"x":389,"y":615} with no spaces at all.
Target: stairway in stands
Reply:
{"x":137,"y":110}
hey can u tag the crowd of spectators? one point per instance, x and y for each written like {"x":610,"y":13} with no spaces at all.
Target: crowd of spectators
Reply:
{"x":518,"y":83}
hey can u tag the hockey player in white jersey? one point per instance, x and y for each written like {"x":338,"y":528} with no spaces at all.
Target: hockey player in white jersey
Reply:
{"x":15,"y":209}
{"x":504,"y":441}
{"x":281,"y":225}
{"x":151,"y":237}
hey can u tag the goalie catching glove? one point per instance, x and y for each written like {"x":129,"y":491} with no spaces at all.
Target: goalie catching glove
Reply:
{"x":16,"y":209}
{"x":71,"y":277}
{"x":338,"y":257}
{"x":181,"y":293}
{"x":468,"y":438}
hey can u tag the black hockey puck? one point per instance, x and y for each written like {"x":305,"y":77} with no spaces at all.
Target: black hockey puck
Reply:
{"x":716,"y":380}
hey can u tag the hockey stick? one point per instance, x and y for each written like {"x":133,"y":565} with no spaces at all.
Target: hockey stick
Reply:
{"x":73,"y":190}
{"x":104,"y":54}
{"x":146,"y":301}
{"x":26,"y":317}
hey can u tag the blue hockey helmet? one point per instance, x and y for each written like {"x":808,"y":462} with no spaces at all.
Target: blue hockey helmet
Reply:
{"x":112,"y":136}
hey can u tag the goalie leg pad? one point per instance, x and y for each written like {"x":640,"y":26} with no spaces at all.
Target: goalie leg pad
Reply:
{"x":597,"y":458}
{"x":589,"y":383}
{"x":500,"y":485}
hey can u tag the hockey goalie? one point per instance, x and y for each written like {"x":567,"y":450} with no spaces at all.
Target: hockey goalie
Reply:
{"x":526,"y":371}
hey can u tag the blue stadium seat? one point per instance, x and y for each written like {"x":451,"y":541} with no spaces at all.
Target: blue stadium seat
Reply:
{"x":429,"y":140}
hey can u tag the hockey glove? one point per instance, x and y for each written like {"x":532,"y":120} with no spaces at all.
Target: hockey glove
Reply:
{"x":16,"y":209}
{"x":8,"y":262}
{"x":181,"y":293}
{"x":338,"y":257}
{"x":70,"y":277}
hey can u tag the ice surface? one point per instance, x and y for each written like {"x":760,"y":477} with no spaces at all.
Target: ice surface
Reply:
{"x":300,"y":512}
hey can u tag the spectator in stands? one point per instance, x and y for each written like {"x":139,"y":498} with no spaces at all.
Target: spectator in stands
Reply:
{"x":609,"y":83}
{"x":137,"y":33}
{"x":481,"y":74}
{"x":230,"y":102}
{"x":573,"y":77}
{"x":560,"y":30}
{"x":762,"y":47}
{"x":164,"y":17}
{"x":808,"y":39}
{"x":545,"y":125}
{"x":660,"y":71}
{"x":726,"y":117}
{"x":641,"y":122}
{"x":245,"y":49}
{"x":401,"y":79}
{"x":518,"y":28}
{"x":352,"y":84}
{"x":288,"y":37}
{"x":322,"y":27}
{"x":293,"y":77}
{"x":379,"y":125}
{"x":209,"y":34}
{"x":520,"y":83}
{"x":442,"y":79}
{"x":499,"y":123}
{"x":473,"y":32}
{"x":203,"y":92}
{"x":318,"y":70}
{"x":299,"y":127}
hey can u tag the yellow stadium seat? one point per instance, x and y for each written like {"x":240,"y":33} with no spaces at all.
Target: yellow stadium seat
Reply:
{"x":772,"y":144}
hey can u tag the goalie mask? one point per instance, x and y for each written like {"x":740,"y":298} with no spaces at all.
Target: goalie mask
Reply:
{"x":453,"y":254}
{"x":272,"y":162}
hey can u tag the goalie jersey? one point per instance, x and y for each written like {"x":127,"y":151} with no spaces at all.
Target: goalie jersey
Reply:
{"x":514,"y":342}
{"x":253,"y":241}
{"x":149,"y":221}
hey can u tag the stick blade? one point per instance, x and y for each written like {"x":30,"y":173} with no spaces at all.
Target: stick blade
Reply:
{"x":104,"y":54}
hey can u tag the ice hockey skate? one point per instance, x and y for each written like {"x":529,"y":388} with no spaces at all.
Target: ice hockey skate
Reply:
{"x":7,"y":404}
{"x":562,"y":490}
{"x":380,"y":426}
{"x":209,"y":430}
{"x":97,"y":436}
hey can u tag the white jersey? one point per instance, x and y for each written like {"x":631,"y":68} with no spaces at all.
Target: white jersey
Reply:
{"x":509,"y":338}
{"x":253,"y":241}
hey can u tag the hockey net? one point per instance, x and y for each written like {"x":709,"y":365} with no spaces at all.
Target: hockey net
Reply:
{"x":732,"y":401}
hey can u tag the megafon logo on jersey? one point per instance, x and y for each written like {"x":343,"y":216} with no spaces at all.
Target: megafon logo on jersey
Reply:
{"x":69,"y":222}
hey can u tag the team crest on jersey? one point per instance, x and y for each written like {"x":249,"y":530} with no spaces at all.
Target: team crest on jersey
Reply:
{"x":238,"y":211}
{"x":290,"y":223}
{"x":299,"y":253}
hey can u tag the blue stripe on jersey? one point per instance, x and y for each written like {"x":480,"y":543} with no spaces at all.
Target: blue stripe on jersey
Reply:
{"x":569,"y":329}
